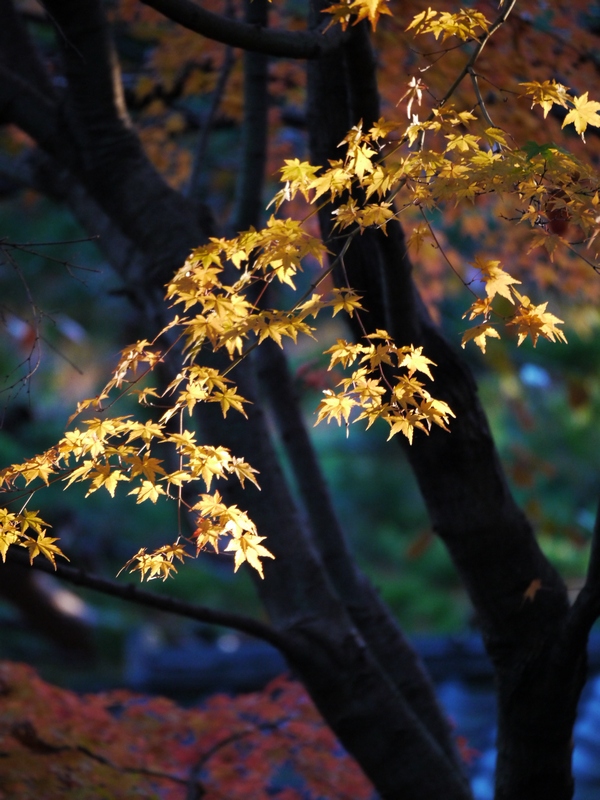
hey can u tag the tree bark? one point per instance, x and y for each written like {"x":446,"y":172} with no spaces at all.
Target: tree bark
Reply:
{"x":539,"y":673}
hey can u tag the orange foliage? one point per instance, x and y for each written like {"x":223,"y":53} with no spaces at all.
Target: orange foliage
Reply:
{"x":57,"y":744}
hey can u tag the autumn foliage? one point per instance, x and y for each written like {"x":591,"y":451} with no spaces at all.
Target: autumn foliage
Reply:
{"x":445,"y":155}
{"x":478,"y":168}
{"x":57,"y":744}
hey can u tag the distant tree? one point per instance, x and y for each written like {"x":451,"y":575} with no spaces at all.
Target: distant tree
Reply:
{"x":473,"y":153}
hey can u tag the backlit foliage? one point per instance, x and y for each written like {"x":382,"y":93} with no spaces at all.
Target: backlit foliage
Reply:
{"x":446,"y":154}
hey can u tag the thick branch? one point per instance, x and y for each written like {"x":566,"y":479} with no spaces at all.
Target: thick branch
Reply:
{"x":36,"y":170}
{"x":110,"y":161}
{"x":586,"y":608}
{"x":249,"y":189}
{"x":132,"y":594}
{"x":348,"y":685}
{"x":252,"y":37}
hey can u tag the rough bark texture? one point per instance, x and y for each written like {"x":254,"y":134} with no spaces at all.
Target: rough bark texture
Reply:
{"x":341,"y":639}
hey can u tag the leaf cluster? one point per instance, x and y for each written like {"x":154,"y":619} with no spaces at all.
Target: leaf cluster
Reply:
{"x":529,"y":319}
{"x":402,"y":401}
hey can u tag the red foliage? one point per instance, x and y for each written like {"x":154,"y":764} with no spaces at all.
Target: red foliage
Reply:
{"x":59,"y":745}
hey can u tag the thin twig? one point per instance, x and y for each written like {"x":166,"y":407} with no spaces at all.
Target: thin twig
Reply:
{"x":484,"y":110}
{"x":500,"y":20}
{"x":193,"y":190}
{"x":445,"y":257}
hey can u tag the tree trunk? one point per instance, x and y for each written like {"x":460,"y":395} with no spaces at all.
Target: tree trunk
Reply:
{"x":345,"y":647}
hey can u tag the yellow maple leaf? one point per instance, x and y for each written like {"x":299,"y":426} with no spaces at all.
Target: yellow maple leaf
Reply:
{"x":44,"y":545}
{"x":415,"y":361}
{"x":146,"y":466}
{"x":535,"y":321}
{"x":371,"y":10}
{"x":381,"y":129}
{"x":378,"y":354}
{"x":344,"y":353}
{"x":151,"y":565}
{"x":463,"y":24}
{"x":546,"y":94}
{"x":478,"y":334}
{"x":210,"y":505}
{"x":462,"y":142}
{"x":8,"y":536}
{"x":497,"y":281}
{"x":345,"y":300}
{"x":103,"y":475}
{"x":436,"y":412}
{"x":30,"y":519}
{"x":585,"y":113}
{"x":229,"y":398}
{"x":147,"y":491}
{"x":146,"y":431}
{"x":418,"y":236}
{"x":481,"y":307}
{"x":336,"y":407}
{"x":242,"y":470}
{"x":340,"y":13}
{"x":248,"y":548}
{"x":405,"y":424}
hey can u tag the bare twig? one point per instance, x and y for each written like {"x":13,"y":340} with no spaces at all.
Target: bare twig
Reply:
{"x":217,"y":96}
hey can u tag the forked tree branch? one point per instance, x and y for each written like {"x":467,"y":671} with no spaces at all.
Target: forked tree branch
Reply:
{"x":459,"y":473}
{"x":332,"y":659}
{"x":370,"y":614}
{"x":272,"y":42}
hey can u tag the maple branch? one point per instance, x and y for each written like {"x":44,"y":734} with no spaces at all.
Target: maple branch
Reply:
{"x":498,"y":22}
{"x":37,"y":170}
{"x":343,"y":676}
{"x":248,"y":36}
{"x":132,"y":594}
{"x":477,"y":91}
{"x":459,"y":474}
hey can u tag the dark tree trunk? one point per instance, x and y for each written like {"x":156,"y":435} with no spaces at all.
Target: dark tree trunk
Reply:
{"x":540,"y":672}
{"x":342,"y":641}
